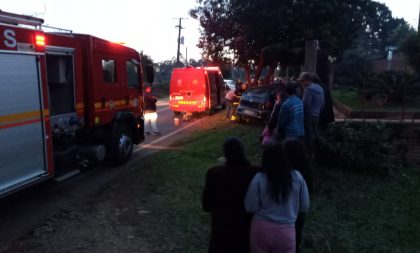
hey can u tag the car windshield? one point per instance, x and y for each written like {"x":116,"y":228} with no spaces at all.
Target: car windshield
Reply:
{"x":258,"y":92}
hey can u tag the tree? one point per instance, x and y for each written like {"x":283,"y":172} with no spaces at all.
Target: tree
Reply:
{"x":148,"y":67}
{"x":259,"y":33}
{"x":411,"y":48}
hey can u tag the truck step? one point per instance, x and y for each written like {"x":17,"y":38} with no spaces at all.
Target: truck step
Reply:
{"x":67,"y":175}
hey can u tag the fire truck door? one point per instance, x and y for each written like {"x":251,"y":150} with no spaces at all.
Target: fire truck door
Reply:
{"x":22,"y":144}
{"x":214,"y":90}
{"x":109,"y":91}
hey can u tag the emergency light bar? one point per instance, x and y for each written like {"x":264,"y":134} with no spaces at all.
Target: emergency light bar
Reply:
{"x":16,"y":19}
{"x":212,"y":68}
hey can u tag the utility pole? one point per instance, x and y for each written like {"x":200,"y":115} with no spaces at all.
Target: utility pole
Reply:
{"x":418,"y":27}
{"x":179,"y":39}
{"x":186,"y":56}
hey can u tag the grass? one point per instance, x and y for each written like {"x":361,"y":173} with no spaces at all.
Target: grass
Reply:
{"x":349,"y":213}
{"x":178,"y":179}
{"x":353,"y":99}
{"x":354,"y":213}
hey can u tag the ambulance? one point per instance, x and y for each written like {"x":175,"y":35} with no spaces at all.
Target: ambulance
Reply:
{"x":65,"y":99}
{"x":196,"y":89}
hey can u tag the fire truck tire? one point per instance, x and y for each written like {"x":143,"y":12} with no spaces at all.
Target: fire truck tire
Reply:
{"x":176,"y":113}
{"x":122,"y":145}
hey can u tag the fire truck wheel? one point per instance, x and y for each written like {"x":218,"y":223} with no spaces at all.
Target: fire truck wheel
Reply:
{"x":122,"y":145}
{"x":176,"y":113}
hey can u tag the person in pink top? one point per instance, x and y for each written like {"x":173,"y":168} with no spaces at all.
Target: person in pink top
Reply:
{"x":230,"y":99}
{"x":275,"y":196}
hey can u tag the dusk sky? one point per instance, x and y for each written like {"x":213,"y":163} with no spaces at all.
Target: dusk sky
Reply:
{"x":147,"y":26}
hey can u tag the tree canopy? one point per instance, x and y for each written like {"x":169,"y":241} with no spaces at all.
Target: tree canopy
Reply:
{"x":411,"y":47}
{"x":254,"y":34}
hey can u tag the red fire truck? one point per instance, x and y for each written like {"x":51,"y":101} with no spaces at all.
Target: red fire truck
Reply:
{"x":65,"y":98}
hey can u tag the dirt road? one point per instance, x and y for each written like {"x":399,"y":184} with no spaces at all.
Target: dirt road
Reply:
{"x":105,"y":209}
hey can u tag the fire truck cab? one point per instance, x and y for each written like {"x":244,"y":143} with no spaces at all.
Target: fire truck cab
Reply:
{"x":65,"y":98}
{"x":196,"y":89}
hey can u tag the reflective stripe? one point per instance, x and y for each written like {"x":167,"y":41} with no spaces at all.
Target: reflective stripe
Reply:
{"x":22,"y":117}
{"x":118,"y":104}
{"x":28,"y":122}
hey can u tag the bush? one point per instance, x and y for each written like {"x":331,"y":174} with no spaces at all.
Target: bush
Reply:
{"x":360,"y":147}
{"x":391,"y":87}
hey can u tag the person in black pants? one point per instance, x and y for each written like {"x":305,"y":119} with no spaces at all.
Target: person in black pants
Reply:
{"x":150,"y":114}
{"x":223,"y":197}
{"x":298,"y":158}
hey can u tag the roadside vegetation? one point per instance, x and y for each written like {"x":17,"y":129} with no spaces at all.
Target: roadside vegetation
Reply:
{"x":350,"y":211}
{"x":353,"y":99}
{"x":161,"y":90}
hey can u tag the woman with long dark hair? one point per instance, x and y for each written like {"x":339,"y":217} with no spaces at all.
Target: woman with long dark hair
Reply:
{"x":275,"y":197}
{"x":298,"y":156}
{"x":299,"y":160}
{"x":223,"y":197}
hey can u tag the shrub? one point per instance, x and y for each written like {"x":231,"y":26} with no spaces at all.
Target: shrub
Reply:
{"x":391,"y":87}
{"x":360,"y":147}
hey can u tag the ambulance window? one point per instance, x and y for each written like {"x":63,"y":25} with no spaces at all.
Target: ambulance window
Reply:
{"x":132,"y":75}
{"x":108,"y":71}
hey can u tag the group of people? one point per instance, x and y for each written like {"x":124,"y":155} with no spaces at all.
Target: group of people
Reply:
{"x":262,"y":209}
{"x":258,"y":209}
{"x":299,"y":117}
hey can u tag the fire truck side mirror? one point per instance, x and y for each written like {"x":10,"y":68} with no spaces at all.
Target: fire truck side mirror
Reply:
{"x":149,"y":74}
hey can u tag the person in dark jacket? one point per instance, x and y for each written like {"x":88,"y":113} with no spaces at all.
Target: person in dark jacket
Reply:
{"x":327,"y":114}
{"x":298,"y":158}
{"x":150,"y":114}
{"x":223,"y":198}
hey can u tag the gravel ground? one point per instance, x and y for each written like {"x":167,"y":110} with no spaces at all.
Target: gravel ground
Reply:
{"x":119,"y":218}
{"x":116,"y":219}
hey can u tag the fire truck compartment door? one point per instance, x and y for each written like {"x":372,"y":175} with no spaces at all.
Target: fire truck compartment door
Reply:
{"x":22,"y":155}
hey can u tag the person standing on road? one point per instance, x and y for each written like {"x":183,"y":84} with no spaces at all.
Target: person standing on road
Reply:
{"x":150,"y":114}
{"x":275,"y":197}
{"x":313,"y":104}
{"x":230,"y":99}
{"x":223,"y":197}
